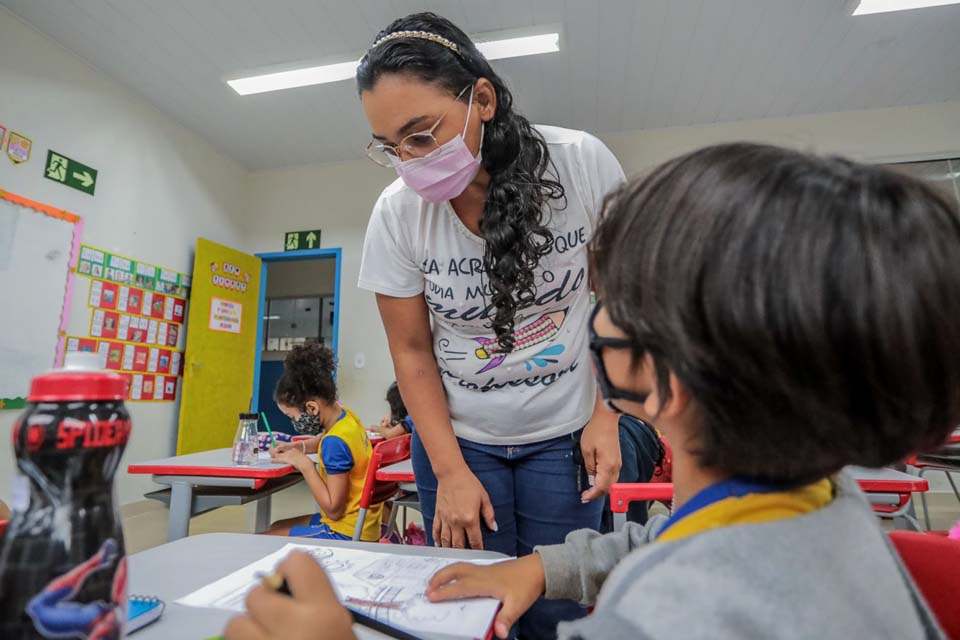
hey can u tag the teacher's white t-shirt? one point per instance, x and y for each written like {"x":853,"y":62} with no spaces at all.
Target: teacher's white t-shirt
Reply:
{"x":545,"y":387}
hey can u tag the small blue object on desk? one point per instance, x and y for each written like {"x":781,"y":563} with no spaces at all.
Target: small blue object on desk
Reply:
{"x":141,"y":611}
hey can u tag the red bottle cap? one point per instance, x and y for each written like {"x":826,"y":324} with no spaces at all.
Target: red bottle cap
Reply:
{"x":71,"y":386}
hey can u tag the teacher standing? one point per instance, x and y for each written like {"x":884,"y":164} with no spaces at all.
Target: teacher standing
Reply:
{"x":478,"y":258}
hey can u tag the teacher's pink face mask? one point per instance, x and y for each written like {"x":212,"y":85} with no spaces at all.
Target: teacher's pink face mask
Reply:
{"x":445,"y":172}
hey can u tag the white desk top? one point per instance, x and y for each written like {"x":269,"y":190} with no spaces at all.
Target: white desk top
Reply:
{"x":200,"y":560}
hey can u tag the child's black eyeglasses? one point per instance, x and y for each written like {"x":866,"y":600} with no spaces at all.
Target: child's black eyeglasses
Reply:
{"x":597,"y":345}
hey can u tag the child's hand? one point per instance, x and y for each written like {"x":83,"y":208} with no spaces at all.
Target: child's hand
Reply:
{"x":306,"y":446}
{"x":515,"y":583}
{"x":311,"y":612}
{"x":294,"y":457}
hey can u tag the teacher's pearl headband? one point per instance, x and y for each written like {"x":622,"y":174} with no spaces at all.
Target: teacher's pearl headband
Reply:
{"x":419,"y":35}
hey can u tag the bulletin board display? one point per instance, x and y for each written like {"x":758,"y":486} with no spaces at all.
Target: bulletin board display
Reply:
{"x":137,"y":315}
{"x":39,"y":247}
{"x":110,"y":267}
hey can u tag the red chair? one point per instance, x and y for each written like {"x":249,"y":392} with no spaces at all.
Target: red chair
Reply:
{"x":899,"y":489}
{"x":934,"y":563}
{"x":623,"y":493}
{"x":945,"y":461}
{"x":378,"y":491}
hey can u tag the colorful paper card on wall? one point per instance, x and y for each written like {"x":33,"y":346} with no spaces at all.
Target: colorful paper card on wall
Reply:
{"x":69,"y":172}
{"x":81,"y":344}
{"x":18,"y":147}
{"x":114,"y":355}
{"x":225,"y":315}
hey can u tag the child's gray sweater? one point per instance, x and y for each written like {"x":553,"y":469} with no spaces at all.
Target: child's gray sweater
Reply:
{"x":828,"y":574}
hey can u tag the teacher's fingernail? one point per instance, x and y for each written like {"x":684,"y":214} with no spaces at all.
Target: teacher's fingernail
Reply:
{"x":495,"y":528}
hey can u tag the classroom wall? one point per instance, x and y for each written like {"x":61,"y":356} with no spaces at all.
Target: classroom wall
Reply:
{"x":898,"y":134}
{"x":160,"y":186}
{"x":337,"y":198}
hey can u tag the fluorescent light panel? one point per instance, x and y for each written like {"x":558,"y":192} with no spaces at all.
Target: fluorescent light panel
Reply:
{"x":516,"y":47}
{"x":493,"y":50}
{"x":294,"y":78}
{"x":883,"y":6}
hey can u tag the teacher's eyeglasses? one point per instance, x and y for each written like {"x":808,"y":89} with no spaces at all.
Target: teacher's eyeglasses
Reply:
{"x":607,"y":390}
{"x":415,"y":145}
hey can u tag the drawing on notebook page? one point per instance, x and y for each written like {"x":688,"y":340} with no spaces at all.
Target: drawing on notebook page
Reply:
{"x":386,"y":586}
{"x":329,"y":562}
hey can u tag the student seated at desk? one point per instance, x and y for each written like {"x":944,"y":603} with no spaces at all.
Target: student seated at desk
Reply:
{"x":778,"y":316}
{"x":398,"y":422}
{"x":307,"y":394}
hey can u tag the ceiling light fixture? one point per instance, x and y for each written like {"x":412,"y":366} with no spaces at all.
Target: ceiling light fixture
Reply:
{"x":866,"y":7}
{"x":492,"y":49}
{"x":516,"y":47}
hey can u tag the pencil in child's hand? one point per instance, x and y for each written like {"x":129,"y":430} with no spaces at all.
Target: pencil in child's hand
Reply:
{"x":278,"y":583}
{"x":269,"y":430}
{"x":275,"y":582}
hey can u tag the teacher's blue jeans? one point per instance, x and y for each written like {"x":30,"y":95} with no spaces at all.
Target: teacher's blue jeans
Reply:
{"x":533,"y":488}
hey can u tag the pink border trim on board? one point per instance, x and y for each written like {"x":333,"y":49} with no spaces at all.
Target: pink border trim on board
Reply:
{"x":68,"y":293}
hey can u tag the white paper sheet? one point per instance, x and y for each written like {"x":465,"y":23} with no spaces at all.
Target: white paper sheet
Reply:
{"x":386,"y":586}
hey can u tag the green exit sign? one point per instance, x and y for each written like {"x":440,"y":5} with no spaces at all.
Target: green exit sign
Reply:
{"x":300,"y":240}
{"x":64,"y":170}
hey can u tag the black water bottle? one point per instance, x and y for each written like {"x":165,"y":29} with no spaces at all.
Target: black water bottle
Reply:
{"x":62,"y":559}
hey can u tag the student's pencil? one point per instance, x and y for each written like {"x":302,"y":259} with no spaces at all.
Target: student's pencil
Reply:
{"x":279,"y":584}
{"x":269,"y":430}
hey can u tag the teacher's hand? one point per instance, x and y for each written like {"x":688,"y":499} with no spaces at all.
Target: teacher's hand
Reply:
{"x":600,"y":445}
{"x":461,"y":502}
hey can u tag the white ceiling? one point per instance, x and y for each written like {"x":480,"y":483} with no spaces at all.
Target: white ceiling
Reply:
{"x":623,"y":65}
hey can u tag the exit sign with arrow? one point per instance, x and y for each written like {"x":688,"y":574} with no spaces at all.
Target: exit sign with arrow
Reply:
{"x":64,"y":170}
{"x":300,"y":240}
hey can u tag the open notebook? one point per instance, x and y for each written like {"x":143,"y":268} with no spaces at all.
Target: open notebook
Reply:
{"x":385,"y":586}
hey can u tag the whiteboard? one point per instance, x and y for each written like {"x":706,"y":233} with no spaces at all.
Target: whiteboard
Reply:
{"x":35,"y":255}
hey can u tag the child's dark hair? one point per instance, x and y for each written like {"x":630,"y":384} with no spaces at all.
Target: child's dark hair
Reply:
{"x":811,"y":306}
{"x":522,"y":179}
{"x":398,"y":411}
{"x":307,"y":375}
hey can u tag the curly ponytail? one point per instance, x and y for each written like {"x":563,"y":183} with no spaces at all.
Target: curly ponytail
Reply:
{"x":522,"y":178}
{"x":307,"y":375}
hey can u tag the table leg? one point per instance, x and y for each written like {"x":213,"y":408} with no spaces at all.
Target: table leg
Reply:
{"x":619,"y":521}
{"x":263,"y":514}
{"x":178,"y":520}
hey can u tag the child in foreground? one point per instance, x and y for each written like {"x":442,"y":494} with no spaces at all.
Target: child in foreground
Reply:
{"x":307,"y":394}
{"x":778,"y":316}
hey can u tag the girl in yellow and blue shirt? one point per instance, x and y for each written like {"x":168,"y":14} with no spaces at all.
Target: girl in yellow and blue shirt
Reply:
{"x":307,"y":394}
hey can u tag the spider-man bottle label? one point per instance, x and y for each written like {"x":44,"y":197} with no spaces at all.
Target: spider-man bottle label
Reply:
{"x":62,"y":558}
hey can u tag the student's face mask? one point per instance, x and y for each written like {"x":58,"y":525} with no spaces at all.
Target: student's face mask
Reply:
{"x":307,"y":424}
{"x":446,"y":172}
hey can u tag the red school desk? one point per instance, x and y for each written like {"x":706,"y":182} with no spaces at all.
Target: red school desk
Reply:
{"x":889,"y":492}
{"x":200,"y":482}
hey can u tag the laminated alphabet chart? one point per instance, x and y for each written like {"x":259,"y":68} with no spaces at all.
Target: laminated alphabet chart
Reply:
{"x":136,"y":321}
